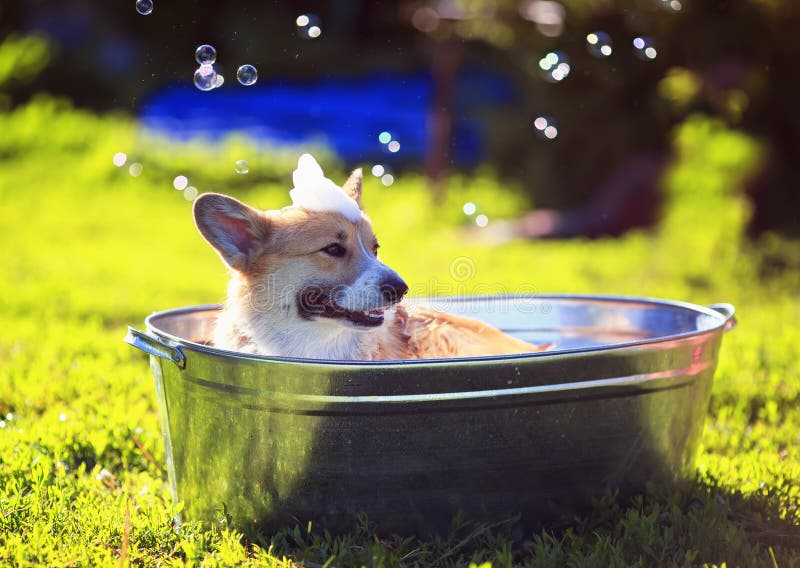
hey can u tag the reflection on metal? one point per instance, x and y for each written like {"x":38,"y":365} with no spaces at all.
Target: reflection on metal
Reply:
{"x":156,"y":347}
{"x":274,"y":441}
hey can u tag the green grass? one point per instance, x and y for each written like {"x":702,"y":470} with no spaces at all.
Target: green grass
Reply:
{"x":88,"y":249}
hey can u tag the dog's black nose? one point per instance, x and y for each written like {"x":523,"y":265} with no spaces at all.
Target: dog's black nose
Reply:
{"x":393,"y":289}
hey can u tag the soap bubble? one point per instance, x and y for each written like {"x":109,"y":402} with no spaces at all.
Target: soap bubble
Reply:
{"x":545,"y":127}
{"x":394,"y":146}
{"x":469,"y":208}
{"x":384,"y":137}
{"x":205,"y":78}
{"x":144,"y":7}
{"x":247,"y":75}
{"x":180,"y":182}
{"x":135,"y":169}
{"x":190,"y":193}
{"x":481,"y":220}
{"x":387,"y":179}
{"x":241,"y":167}
{"x":554,"y":66}
{"x":219,"y":81}
{"x":205,"y":54}
{"x":671,"y":5}
{"x":308,"y":26}
{"x":378,"y":170}
{"x":119,"y":159}
{"x":425,"y":19}
{"x":644,"y":47}
{"x":547,"y":15}
{"x":599,"y":44}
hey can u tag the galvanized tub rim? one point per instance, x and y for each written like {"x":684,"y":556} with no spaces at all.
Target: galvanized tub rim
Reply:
{"x":723,"y":313}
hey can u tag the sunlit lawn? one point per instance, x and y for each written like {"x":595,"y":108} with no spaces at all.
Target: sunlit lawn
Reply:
{"x":88,"y":249}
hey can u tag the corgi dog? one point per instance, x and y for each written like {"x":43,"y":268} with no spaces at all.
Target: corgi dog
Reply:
{"x":306,"y":282}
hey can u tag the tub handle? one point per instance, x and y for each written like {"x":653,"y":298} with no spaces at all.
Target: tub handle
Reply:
{"x":155,"y":346}
{"x":729,"y":312}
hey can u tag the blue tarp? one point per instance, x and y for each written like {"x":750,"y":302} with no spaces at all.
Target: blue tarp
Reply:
{"x":347,"y":114}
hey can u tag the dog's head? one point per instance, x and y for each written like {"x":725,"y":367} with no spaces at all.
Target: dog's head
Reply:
{"x":301,"y":262}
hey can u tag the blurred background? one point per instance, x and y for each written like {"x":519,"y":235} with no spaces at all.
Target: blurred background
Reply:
{"x":641,"y":147}
{"x":596,"y":116}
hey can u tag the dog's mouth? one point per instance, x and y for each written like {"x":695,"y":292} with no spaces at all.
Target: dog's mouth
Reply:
{"x":314,"y":304}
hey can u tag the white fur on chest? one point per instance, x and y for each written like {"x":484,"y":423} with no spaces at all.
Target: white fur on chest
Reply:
{"x":288,"y":336}
{"x":316,"y":340}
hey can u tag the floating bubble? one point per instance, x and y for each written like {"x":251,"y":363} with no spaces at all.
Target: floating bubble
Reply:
{"x":671,"y":5}
{"x":387,"y":179}
{"x":378,"y":170}
{"x":547,"y":15}
{"x":247,"y":75}
{"x":144,"y":7}
{"x":545,"y":127}
{"x":205,"y":54}
{"x":119,"y":159}
{"x":469,"y":208}
{"x":219,"y":81}
{"x":205,"y":78}
{"x":644,"y":47}
{"x":190,"y":193}
{"x":555,"y":67}
{"x":135,"y":169}
{"x":308,"y":26}
{"x":393,"y":146}
{"x":241,"y":167}
{"x":481,"y":220}
{"x":599,"y":44}
{"x":425,"y":19}
{"x":384,"y":137}
{"x":180,"y":182}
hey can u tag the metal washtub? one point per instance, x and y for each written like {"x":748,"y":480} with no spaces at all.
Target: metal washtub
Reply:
{"x":273,"y":441}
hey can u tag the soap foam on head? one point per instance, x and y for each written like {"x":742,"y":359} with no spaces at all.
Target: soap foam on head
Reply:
{"x":313,"y":191}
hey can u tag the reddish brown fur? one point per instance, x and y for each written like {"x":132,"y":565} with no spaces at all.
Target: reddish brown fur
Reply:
{"x":424,"y":333}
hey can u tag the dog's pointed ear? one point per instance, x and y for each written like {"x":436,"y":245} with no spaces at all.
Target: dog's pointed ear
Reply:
{"x":352,"y":186}
{"x":235,"y":230}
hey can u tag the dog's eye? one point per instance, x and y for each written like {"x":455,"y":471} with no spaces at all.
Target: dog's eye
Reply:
{"x":335,"y":249}
{"x":375,"y":249}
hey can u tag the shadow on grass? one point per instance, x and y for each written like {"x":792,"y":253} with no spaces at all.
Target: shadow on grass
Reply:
{"x":700,"y":522}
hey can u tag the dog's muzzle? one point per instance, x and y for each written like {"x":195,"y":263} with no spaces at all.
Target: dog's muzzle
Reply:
{"x":393,"y":289}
